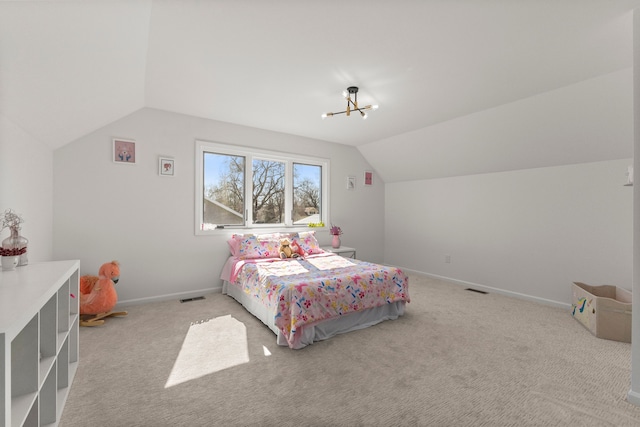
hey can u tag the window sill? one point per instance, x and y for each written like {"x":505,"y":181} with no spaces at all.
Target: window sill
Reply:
{"x":258,"y":230}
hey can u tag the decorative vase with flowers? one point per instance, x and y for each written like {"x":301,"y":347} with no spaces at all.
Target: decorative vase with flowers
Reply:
{"x":335,"y":232}
{"x":15,"y":244}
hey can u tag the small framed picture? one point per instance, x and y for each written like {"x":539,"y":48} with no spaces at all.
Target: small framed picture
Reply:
{"x":124,"y":151}
{"x":166,"y":166}
{"x":368,"y":178}
{"x":351,"y":183}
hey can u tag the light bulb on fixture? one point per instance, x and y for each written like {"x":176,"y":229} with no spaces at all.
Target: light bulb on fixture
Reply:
{"x":351,"y":95}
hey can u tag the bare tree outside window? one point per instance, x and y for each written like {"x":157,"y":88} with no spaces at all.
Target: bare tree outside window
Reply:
{"x":306,"y":193}
{"x":268,"y":192}
{"x":223,"y":189}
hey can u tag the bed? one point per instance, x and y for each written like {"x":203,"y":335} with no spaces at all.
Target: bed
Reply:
{"x":314,"y":297}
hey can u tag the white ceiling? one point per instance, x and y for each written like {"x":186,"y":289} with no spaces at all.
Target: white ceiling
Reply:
{"x":69,"y":67}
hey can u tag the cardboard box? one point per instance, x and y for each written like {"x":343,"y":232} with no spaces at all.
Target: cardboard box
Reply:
{"x":604,"y":310}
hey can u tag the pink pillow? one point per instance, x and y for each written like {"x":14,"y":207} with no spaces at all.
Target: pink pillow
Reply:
{"x":234,"y":244}
{"x":308,"y":242}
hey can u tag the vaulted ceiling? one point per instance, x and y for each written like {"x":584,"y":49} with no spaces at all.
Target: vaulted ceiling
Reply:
{"x":69,"y":67}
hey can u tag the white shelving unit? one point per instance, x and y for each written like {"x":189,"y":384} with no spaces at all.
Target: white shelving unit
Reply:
{"x":39,"y":346}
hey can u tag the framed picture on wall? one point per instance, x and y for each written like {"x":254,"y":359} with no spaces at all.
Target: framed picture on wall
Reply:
{"x":368,"y":178}
{"x":124,"y":151}
{"x":351,"y":183}
{"x":166,"y":166}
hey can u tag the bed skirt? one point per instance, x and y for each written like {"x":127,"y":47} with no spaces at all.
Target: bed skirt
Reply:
{"x":321,"y":330}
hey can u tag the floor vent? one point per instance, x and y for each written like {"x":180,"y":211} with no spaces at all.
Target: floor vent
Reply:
{"x":477,"y":290}
{"x":191,"y":299}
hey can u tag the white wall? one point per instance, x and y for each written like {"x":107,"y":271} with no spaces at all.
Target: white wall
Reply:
{"x":26,"y":186}
{"x":588,"y":121}
{"x":531,"y":232}
{"x":105,"y":211}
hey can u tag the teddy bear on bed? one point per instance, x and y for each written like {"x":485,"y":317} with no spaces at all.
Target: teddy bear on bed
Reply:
{"x":290,"y":250}
{"x":98,"y":295}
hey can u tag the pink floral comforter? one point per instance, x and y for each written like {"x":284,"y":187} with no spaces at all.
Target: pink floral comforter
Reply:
{"x":323,"y":286}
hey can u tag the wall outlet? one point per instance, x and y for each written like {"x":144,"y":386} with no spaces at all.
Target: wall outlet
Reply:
{"x":447,"y":258}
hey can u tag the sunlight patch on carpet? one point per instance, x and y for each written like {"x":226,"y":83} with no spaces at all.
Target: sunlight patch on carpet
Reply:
{"x":210,"y":346}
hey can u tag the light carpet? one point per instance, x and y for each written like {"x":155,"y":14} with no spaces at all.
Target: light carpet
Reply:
{"x":456,"y":358}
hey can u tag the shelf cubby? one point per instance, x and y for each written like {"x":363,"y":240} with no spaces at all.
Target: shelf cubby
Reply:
{"x":39,"y":341}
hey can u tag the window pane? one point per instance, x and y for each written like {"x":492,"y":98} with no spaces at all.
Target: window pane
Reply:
{"x":268,"y":192}
{"x":223,"y":202}
{"x":307,"y":193}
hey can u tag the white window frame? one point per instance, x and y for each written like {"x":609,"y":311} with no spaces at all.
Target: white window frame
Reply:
{"x":249,"y":154}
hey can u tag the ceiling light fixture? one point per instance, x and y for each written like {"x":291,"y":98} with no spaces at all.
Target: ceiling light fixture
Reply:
{"x":351,"y":95}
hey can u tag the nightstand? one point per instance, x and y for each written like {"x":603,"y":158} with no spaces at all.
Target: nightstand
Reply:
{"x":344,"y":251}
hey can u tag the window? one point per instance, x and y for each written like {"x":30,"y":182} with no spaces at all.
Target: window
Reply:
{"x":250,"y":188}
{"x":307,"y":192}
{"x":268,"y":197}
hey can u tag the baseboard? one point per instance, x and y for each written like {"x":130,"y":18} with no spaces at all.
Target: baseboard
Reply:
{"x":169,"y":297}
{"x":218,"y":289}
{"x":491,"y":289}
{"x":633,"y":397}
